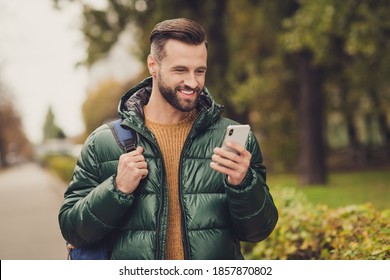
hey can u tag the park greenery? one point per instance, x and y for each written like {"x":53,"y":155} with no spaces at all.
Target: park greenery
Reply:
{"x":311,"y":77}
{"x":308,"y":231}
{"x":349,"y":220}
{"x":50,"y":128}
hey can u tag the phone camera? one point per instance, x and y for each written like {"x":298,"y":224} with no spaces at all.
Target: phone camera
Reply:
{"x":231,"y":132}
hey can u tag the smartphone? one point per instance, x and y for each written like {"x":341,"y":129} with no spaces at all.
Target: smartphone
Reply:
{"x":236,"y":133}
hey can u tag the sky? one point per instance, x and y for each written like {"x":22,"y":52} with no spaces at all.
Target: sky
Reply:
{"x":39,"y":48}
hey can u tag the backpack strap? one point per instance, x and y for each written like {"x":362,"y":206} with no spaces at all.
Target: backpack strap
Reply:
{"x":123,"y":136}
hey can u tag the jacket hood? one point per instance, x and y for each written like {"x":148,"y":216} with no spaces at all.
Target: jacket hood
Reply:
{"x":132,"y":102}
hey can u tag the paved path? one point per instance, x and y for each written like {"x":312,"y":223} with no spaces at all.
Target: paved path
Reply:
{"x":30,"y":198}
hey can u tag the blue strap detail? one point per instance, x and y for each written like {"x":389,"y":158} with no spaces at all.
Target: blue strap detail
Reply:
{"x":127,"y":141}
{"x":123,"y":136}
{"x":97,"y":251}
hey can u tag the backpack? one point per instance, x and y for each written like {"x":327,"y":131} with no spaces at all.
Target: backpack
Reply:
{"x":126,"y":139}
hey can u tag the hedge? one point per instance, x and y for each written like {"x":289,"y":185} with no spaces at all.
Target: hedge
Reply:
{"x":61,"y":165}
{"x":307,"y":231}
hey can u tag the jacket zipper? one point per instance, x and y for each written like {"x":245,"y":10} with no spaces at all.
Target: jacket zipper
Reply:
{"x":160,"y":252}
{"x":183,"y":218}
{"x":186,"y":243}
{"x":162,"y":216}
{"x":161,"y":234}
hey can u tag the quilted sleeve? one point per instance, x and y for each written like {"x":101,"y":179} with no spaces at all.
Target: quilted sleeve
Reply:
{"x":251,"y":205}
{"x":92,"y":205}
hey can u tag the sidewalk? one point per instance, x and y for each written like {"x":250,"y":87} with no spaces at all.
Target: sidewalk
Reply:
{"x":30,"y":199}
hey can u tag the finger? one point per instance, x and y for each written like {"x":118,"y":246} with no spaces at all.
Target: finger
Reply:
{"x":139,"y":158}
{"x":139,"y":173}
{"x":241,"y":150}
{"x":137,"y":169}
{"x":224,"y":169}
{"x":144,"y":173}
{"x":234,"y":177}
{"x":141,"y":165}
{"x":141,"y":170}
{"x":138,"y":151}
{"x":218,"y":167}
{"x":229,"y":163}
{"x":227,"y":155}
{"x":134,"y":156}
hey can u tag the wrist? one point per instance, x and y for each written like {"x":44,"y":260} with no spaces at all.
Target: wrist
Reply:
{"x":118,"y":188}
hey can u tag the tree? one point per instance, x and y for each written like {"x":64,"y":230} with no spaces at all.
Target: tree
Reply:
{"x":348,"y":41}
{"x":262,"y":77}
{"x":312,"y":166}
{"x":101,"y":104}
{"x":102,"y":29}
{"x":233,"y":65}
{"x":304,"y":39}
{"x":14,"y":145}
{"x":285,"y":66}
{"x":50,"y":129}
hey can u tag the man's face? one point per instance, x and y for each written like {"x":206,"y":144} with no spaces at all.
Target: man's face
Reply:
{"x":181,"y":74}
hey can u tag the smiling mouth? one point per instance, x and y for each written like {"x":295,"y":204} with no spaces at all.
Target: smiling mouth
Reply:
{"x":187,"y":92}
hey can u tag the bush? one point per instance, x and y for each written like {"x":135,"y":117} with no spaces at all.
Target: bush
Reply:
{"x":306,"y":231}
{"x":61,"y":165}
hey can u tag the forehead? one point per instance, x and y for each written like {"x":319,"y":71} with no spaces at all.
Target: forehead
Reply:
{"x":177,"y":53}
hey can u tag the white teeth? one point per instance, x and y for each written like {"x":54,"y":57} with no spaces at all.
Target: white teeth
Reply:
{"x":188,"y":92}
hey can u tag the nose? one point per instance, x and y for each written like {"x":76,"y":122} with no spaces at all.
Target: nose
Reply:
{"x":191,"y":81}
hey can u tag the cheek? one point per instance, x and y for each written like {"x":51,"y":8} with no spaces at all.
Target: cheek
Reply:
{"x":201,"y":81}
{"x":169,"y":79}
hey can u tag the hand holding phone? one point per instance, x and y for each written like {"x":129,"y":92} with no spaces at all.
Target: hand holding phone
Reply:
{"x":236,"y":133}
{"x":234,"y":166}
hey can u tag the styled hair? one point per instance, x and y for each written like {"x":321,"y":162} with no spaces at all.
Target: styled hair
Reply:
{"x":181,"y":29}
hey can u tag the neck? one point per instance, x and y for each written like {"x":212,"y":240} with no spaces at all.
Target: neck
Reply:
{"x":160,"y":111}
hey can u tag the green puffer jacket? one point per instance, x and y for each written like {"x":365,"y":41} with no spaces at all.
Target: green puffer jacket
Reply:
{"x":215,"y":216}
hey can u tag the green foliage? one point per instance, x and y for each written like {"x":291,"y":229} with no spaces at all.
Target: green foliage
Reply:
{"x":60,"y":165}
{"x":101,"y":104}
{"x":344,"y":188}
{"x":261,"y":79}
{"x":50,"y":129}
{"x":253,"y":67}
{"x":309,"y":28}
{"x":306,"y":231}
{"x":361,"y":26}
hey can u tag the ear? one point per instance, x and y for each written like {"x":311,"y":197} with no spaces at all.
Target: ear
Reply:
{"x":152,"y":65}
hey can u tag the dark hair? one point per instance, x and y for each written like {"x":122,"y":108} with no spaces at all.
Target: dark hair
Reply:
{"x":181,"y":29}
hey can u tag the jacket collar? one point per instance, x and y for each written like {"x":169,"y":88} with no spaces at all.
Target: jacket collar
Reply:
{"x":132,"y":102}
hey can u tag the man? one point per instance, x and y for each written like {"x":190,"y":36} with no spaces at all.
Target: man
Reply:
{"x":178,"y":195}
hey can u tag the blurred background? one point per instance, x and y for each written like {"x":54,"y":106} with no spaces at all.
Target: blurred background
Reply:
{"x":311,"y":77}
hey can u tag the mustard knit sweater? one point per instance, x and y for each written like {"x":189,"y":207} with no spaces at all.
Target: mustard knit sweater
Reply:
{"x":171,"y":138}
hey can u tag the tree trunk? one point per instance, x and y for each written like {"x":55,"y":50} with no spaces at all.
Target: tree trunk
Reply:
{"x":347,"y":111}
{"x":218,"y":56}
{"x":382,"y":121}
{"x":312,"y":166}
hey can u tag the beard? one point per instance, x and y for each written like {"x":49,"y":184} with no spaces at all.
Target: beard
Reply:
{"x":172,"y":97}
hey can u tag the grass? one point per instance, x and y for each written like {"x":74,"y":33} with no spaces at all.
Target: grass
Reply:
{"x":343,"y":189}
